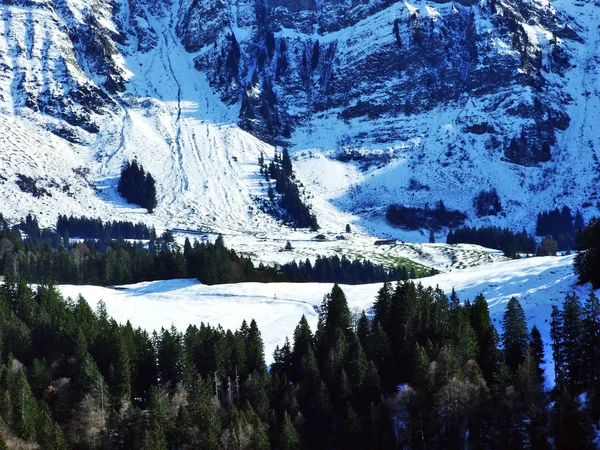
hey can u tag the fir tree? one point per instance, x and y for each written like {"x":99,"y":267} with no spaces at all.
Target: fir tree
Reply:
{"x":288,"y":437}
{"x":514,"y":337}
{"x":536,"y":346}
{"x":486,"y":337}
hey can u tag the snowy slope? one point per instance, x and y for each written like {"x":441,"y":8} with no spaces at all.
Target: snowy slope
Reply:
{"x":538,"y":283}
{"x":86,"y":85}
{"x":206,"y":167}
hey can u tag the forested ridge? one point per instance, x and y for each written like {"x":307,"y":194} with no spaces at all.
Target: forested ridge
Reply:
{"x":425,"y":371}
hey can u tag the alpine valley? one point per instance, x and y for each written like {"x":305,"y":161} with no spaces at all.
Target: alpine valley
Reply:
{"x":211,"y":212}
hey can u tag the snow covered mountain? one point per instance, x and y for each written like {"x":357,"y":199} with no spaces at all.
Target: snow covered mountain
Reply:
{"x":379,"y":102}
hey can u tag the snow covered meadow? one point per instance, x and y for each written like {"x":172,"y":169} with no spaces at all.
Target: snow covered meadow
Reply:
{"x":277,"y":307}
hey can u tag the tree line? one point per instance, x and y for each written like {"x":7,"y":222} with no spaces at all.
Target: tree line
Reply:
{"x":346,"y":271}
{"x":41,"y":256}
{"x":509,"y":242}
{"x":424,"y":372}
{"x":89,"y":228}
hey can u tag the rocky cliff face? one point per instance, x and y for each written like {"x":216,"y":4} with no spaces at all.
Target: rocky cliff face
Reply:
{"x":287,"y":61}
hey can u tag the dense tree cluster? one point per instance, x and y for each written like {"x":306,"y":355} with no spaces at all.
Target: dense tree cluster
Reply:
{"x":110,"y":262}
{"x":587,"y":261}
{"x":345,"y":271}
{"x":575,"y":334}
{"x":560,"y":225}
{"x":487,"y":203}
{"x":297,"y":213}
{"x":412,"y":218}
{"x":137,"y":186}
{"x":73,"y":378}
{"x":425,"y":372}
{"x":494,"y":237}
{"x":88,"y":228}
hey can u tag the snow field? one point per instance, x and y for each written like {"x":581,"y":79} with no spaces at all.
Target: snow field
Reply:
{"x":538,"y":283}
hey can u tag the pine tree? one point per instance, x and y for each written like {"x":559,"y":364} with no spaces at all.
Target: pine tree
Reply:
{"x":204,"y":426}
{"x":587,"y":261}
{"x":534,"y":401}
{"x":382,"y":304}
{"x":571,"y":348}
{"x":286,"y":163}
{"x":380,"y":354}
{"x":514,"y":337}
{"x":556,"y":335}
{"x":154,"y":438}
{"x":120,"y":375}
{"x":401,"y":328}
{"x":303,"y":342}
{"x":591,"y":340}
{"x":150,"y":201}
{"x":169,"y":356}
{"x":579,"y":223}
{"x":486,"y":337}
{"x":363,"y":330}
{"x":255,"y":350}
{"x":335,"y":315}
{"x":49,"y":434}
{"x":537,"y":352}
{"x":356,"y":363}
{"x":160,"y":411}
{"x":24,"y":407}
{"x":288,"y":437}
{"x":3,"y":444}
{"x":570,"y":427}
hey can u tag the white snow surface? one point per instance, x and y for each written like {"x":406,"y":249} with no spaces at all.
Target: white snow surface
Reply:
{"x":206,"y":167}
{"x":538,"y":283}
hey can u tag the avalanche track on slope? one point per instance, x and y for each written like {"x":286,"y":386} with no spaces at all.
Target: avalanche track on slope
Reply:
{"x":205,"y":166}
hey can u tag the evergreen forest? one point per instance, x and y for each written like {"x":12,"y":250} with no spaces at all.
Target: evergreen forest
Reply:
{"x":423,"y":371}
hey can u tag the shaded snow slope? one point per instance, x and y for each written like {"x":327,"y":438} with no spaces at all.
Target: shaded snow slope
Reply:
{"x":538,"y":283}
